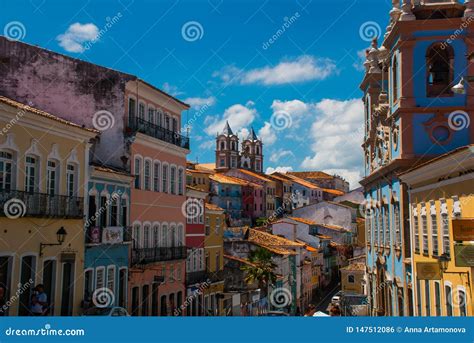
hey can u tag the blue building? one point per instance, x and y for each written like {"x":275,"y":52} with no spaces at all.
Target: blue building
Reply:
{"x":108,"y":237}
{"x":226,"y":192}
{"x":411,"y":115}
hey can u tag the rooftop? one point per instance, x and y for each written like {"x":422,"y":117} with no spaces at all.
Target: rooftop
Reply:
{"x":354,"y":267}
{"x":260,"y":176}
{"x":228,"y":179}
{"x":274,"y":243}
{"x":302,"y":182}
{"x":213,"y":207}
{"x":311,"y":174}
{"x":44,"y":114}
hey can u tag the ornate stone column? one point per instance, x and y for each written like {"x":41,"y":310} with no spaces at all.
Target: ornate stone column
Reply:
{"x":469,"y":12}
{"x":407,"y":14}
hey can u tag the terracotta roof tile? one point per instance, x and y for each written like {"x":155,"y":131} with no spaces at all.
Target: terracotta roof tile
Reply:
{"x":274,"y":243}
{"x":213,"y":207}
{"x":39,"y":112}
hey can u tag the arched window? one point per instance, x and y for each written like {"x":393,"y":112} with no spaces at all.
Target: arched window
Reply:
{"x":156,"y":236}
{"x":31,"y":174}
{"x":136,"y":236}
{"x":222,"y":145}
{"x":395,"y":79}
{"x":6,"y":170}
{"x":440,"y":70}
{"x":146,"y":236}
{"x":147,"y":175}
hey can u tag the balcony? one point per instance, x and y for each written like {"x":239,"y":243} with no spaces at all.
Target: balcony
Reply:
{"x":196,"y":277}
{"x":158,"y":132}
{"x":108,"y":235}
{"x":31,"y":204}
{"x":150,"y":255}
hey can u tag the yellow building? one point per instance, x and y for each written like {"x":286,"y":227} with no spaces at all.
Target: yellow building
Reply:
{"x":442,"y":233}
{"x":43,"y":173}
{"x":214,"y":252}
{"x":353,"y":276}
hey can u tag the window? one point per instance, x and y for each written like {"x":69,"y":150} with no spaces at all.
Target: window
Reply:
{"x":173,"y":180}
{"x":440,"y":69}
{"x":437,"y":299}
{"x":156,"y":236}
{"x":164,"y":236}
{"x":124,"y":212}
{"x":131,"y":111}
{"x":427,"y":298}
{"x":180,"y":182}
{"x":395,"y":79}
{"x":424,"y":225}
{"x":114,"y":220}
{"x":145,"y":290}
{"x":103,"y":211}
{"x":350,"y":279}
{"x":136,"y":237}
{"x":449,"y":300}
{"x":141,"y":111}
{"x":462,"y":302}
{"x":159,"y":118}
{"x":167,"y":122}
{"x":146,"y":236}
{"x":164,"y":187}
{"x":416,"y":229}
{"x":27,"y":272}
{"x":31,"y":174}
{"x":218,"y":225}
{"x":147,"y":175}
{"x":52,"y":178}
{"x":6,"y":168}
{"x":386,"y":225}
{"x":208,"y":226}
{"x":445,"y":228}
{"x":111,"y":278}
{"x":138,"y":179}
{"x":396,"y":220}
{"x":434,"y":229}
{"x":201,"y":211}
{"x":180,"y":236}
{"x":151,"y":115}
{"x":99,"y":277}
{"x":156,"y":176}
{"x":71,"y":177}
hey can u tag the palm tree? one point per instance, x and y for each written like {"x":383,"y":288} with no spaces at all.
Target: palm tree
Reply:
{"x":261,"y":269}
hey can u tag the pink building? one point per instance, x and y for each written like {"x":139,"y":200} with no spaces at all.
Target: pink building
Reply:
{"x":158,"y":156}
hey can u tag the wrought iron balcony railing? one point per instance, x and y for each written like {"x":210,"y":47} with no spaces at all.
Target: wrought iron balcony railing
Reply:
{"x":196,"y":277}
{"x":108,"y":235}
{"x":15,"y":204}
{"x":159,"y":132}
{"x":150,"y":255}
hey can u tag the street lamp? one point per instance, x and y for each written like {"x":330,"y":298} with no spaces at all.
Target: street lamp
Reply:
{"x":60,"y":236}
{"x":443,"y":262}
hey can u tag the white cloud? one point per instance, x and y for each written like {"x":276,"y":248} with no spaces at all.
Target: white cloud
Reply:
{"x":304,"y":68}
{"x":267,"y":134}
{"x":208,"y":145}
{"x":278,"y":169}
{"x":238,"y":115}
{"x":76,"y":35}
{"x":279,"y":154}
{"x":336,"y":136}
{"x":359,"y":64}
{"x":198,"y":103}
{"x":170,"y":89}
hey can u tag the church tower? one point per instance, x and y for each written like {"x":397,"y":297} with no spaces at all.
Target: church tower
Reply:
{"x":251,"y":157}
{"x":227,"y":149}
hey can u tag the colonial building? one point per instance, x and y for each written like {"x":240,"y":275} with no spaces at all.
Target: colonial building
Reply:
{"x":140,"y":134}
{"x":214,"y":253}
{"x":44,"y":163}
{"x":442,"y":226}
{"x":108,"y":235}
{"x":409,"y":109}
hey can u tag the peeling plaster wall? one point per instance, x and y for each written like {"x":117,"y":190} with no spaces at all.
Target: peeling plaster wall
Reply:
{"x":69,"y":88}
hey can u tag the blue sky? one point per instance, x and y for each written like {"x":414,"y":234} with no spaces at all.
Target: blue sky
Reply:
{"x":299,"y":89}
